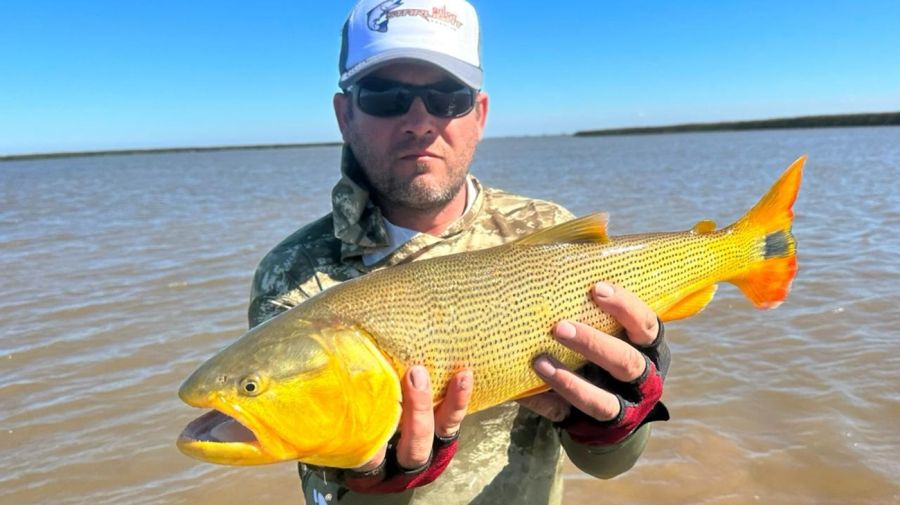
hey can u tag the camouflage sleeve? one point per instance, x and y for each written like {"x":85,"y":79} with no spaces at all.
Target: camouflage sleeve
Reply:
{"x":562,"y":215}
{"x":289,"y":273}
{"x":606,"y":462}
{"x":262,"y":306}
{"x":278,"y":283}
{"x":271,"y":283}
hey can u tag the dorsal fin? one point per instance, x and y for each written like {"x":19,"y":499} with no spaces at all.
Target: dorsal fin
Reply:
{"x":590,"y":228}
{"x":704,"y":227}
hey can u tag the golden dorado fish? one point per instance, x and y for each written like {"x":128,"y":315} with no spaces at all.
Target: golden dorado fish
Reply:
{"x":320,"y":383}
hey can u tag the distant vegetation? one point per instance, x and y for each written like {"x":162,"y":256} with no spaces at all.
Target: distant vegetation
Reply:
{"x":842,"y":120}
{"x":162,"y":150}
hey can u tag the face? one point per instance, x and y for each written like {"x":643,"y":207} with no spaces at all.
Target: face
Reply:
{"x":414,"y":161}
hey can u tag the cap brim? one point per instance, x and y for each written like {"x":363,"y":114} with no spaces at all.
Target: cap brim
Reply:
{"x":468,"y":74}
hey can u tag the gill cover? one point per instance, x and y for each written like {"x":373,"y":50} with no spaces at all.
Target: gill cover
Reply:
{"x":292,"y":390}
{"x":349,"y":409}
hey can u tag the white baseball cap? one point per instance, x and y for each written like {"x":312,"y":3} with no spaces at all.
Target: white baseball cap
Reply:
{"x":441,"y":32}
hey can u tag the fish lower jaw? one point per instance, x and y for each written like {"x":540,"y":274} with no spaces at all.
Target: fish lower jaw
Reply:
{"x":218,"y":438}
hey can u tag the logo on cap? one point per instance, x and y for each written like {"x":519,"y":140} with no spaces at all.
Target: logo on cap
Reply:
{"x":378,"y":17}
{"x":385,"y":11}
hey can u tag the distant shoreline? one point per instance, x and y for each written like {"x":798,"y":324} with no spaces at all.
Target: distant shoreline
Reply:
{"x":825,"y":121}
{"x":157,"y":150}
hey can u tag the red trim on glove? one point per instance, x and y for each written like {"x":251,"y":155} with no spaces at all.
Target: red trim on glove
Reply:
{"x":390,"y":478}
{"x":589,"y":431}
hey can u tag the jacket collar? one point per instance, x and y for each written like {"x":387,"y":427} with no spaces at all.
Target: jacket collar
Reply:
{"x":358,"y":223}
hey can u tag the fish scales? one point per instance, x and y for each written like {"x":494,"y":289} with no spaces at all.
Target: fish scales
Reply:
{"x":320,"y":382}
{"x":491,"y":311}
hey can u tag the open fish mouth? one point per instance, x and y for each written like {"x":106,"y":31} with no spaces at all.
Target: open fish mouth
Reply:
{"x":214,"y":426}
{"x":216,"y":437}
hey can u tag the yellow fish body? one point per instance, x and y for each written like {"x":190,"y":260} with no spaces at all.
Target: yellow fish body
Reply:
{"x":320,"y":382}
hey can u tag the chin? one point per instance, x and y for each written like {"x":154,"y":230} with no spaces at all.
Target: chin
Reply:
{"x":427,"y":196}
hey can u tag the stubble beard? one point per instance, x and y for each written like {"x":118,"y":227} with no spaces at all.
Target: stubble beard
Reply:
{"x":413,"y":192}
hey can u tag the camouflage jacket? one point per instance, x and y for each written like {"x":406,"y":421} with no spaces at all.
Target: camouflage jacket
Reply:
{"x":507,"y":454}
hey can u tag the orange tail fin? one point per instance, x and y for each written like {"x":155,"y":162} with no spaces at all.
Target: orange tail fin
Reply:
{"x":767,"y":281}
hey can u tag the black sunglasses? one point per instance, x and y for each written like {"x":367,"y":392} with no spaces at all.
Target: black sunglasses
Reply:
{"x":386,"y":98}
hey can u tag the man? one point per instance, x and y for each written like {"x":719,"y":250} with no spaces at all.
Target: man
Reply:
{"x":411,"y":114}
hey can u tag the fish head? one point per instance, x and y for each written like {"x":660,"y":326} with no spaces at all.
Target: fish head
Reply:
{"x":291,"y":390}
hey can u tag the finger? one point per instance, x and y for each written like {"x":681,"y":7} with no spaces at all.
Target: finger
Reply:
{"x":374,"y":462}
{"x":417,"y":419}
{"x":638,"y":319}
{"x":612,"y":354}
{"x":548,"y":404}
{"x":593,"y":401}
{"x":452,"y":410}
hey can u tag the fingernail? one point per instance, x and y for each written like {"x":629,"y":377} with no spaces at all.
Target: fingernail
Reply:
{"x":603,"y":290}
{"x":465,"y":381}
{"x":564,"y":330}
{"x":419,"y":378}
{"x":544,"y":367}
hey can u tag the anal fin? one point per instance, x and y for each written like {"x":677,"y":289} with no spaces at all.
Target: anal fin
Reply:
{"x":690,"y":304}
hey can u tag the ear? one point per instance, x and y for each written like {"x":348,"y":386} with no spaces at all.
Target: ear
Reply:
{"x":341,"y":104}
{"x":481,"y":108}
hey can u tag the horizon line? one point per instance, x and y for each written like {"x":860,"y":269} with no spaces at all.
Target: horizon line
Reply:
{"x":797,"y":122}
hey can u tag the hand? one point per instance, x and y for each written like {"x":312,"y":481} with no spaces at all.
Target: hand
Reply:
{"x":631,"y":366}
{"x":427,"y":436}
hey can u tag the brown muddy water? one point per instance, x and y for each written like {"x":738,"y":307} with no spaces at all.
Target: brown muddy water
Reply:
{"x":121,"y":274}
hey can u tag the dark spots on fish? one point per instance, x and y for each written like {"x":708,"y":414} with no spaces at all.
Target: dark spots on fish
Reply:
{"x":221,"y":379}
{"x":779,"y":244}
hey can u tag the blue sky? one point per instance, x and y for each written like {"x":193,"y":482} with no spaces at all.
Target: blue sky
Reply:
{"x":87,"y":75}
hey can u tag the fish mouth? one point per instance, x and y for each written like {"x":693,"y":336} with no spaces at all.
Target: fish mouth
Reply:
{"x":216,"y":437}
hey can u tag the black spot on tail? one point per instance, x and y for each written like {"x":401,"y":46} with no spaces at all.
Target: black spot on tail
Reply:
{"x":779,"y":244}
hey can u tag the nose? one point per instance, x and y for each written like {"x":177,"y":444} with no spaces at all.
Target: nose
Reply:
{"x":417,"y":120}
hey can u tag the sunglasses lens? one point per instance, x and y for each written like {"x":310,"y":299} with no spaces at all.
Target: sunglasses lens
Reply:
{"x":382,"y":98}
{"x":384,"y":103}
{"x":449,"y":103}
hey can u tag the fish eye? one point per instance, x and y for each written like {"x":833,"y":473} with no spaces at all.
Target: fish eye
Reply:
{"x":251,"y":385}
